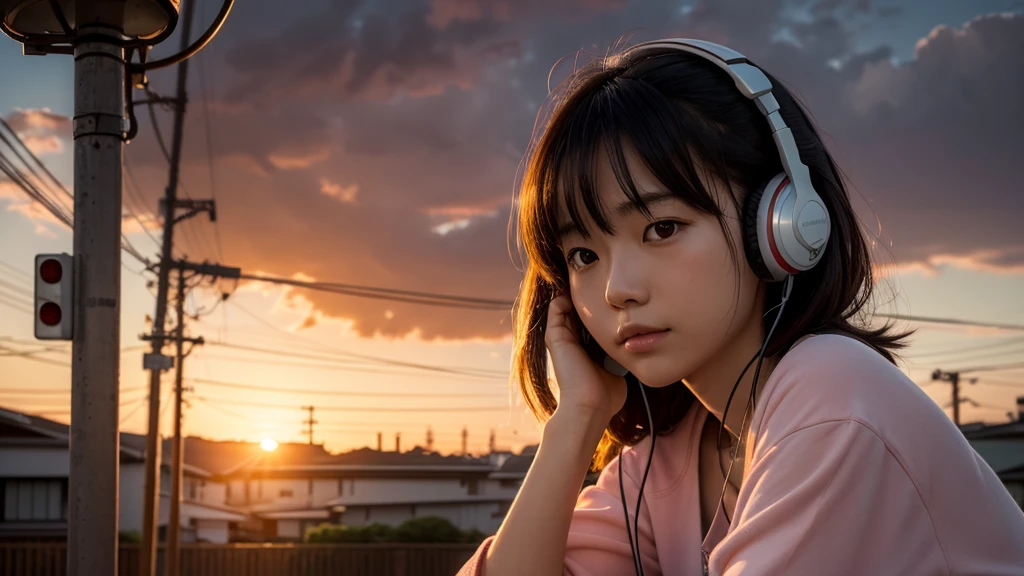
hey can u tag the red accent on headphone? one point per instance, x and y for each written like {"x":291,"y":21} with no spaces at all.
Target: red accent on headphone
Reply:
{"x":771,"y":230}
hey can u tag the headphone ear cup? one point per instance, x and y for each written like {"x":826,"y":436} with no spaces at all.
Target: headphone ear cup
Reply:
{"x":751,"y":245}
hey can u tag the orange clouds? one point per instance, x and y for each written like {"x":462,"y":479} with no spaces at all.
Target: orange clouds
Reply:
{"x":42,"y":131}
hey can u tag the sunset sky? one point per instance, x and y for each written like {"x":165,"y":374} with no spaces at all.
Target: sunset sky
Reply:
{"x":376,"y":143}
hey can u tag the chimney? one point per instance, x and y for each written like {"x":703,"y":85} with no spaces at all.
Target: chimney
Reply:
{"x":380,"y":448}
{"x":398,"y":442}
{"x":1020,"y":408}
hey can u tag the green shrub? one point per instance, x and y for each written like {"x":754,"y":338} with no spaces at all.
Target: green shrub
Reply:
{"x":129,"y":537}
{"x":428,"y":529}
{"x":424,"y":529}
{"x":334,"y":533}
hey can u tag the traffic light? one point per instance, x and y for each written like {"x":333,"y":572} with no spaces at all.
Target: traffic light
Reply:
{"x":54,"y":283}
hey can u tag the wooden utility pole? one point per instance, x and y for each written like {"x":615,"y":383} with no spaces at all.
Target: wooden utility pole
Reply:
{"x":155,"y":361}
{"x":173,"y":551}
{"x":309,"y":422}
{"x":954,"y":379}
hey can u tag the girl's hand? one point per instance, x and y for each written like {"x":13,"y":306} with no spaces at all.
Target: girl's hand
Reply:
{"x":585,"y":387}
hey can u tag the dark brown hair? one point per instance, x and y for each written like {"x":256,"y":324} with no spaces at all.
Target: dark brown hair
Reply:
{"x":681,"y":114}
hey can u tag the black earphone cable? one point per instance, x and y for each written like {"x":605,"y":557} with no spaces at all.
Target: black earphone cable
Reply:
{"x":634,"y":545}
{"x":634,"y":535}
{"x":650,"y":457}
{"x":752,"y":400}
{"x":625,"y":512}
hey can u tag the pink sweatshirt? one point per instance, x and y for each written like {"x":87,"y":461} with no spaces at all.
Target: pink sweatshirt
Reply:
{"x":852,"y":470}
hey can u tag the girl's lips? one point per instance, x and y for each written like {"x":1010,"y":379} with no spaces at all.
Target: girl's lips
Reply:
{"x":645,"y":342}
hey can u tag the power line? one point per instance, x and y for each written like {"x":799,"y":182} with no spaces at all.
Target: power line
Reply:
{"x":475,"y":372}
{"x":135,"y":195}
{"x":994,"y":368}
{"x":407,"y":296}
{"x":362,"y":408}
{"x":957,"y":322}
{"x":33,"y":157}
{"x":957,"y":351}
{"x":57,"y":208}
{"x":973,"y":356}
{"x":58,"y":391}
{"x":340,"y":366}
{"x":218,"y":383}
{"x":140,"y":403}
{"x":1002,"y":384}
{"x":362,"y":426}
{"x":35,"y":359}
{"x":203,"y":90}
{"x":14,"y":269}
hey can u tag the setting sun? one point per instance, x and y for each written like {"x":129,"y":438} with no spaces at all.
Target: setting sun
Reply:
{"x":268,"y":445}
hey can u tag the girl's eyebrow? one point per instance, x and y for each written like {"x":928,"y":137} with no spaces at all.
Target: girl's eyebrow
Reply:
{"x":627,"y":207}
{"x":648,"y":198}
{"x":566,"y":229}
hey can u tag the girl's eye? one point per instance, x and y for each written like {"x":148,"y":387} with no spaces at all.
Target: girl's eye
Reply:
{"x":661,"y":230}
{"x":580,"y":257}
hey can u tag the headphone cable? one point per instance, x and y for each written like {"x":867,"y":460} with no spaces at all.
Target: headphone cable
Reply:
{"x":752,"y":400}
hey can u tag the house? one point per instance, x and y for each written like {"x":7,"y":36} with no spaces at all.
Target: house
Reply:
{"x":234,"y":491}
{"x":1002,"y":447}
{"x":34,"y":469}
{"x":292,"y":490}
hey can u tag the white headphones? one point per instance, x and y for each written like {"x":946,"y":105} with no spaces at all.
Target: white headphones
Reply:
{"x":789,"y":229}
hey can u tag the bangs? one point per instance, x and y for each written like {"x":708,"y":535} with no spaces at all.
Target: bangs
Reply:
{"x":619,"y":115}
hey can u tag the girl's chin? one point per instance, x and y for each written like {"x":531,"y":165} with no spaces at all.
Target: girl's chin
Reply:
{"x":653,"y":380}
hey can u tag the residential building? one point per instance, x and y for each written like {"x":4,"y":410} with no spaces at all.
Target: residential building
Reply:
{"x":34,"y":470}
{"x":291,"y":492}
{"x":1002,"y":447}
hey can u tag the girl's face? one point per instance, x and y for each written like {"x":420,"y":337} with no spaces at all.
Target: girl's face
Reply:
{"x":659,"y":294}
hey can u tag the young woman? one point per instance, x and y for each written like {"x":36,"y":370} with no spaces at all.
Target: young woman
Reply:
{"x":681,"y":214}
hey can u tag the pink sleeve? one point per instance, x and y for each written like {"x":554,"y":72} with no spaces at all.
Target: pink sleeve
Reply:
{"x":829,"y":499}
{"x":597,"y":544}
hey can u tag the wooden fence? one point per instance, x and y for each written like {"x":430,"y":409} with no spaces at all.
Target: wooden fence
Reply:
{"x":391,"y":559}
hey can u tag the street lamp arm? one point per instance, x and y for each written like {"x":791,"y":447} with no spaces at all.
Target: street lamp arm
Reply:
{"x":196,"y":46}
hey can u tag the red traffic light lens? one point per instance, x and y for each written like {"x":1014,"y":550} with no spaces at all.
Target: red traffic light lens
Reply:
{"x":51,"y":272}
{"x":49,"y":314}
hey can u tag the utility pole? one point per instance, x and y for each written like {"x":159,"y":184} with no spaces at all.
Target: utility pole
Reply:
{"x":492,"y":442}
{"x":954,"y":379}
{"x":398,"y":442}
{"x":156,"y":361}
{"x":309,"y":423}
{"x":100,"y":107}
{"x":465,"y":440}
{"x":177,"y":448}
{"x":380,"y":442}
{"x":173,"y":550}
{"x":430,"y":439}
{"x":174,"y":520}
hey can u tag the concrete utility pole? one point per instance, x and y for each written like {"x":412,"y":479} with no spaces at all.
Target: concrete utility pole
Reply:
{"x":99,"y":35}
{"x":151,"y":499}
{"x":310,"y":422}
{"x":99,"y":126}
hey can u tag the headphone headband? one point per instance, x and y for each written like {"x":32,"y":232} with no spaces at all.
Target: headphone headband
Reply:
{"x":756,"y":86}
